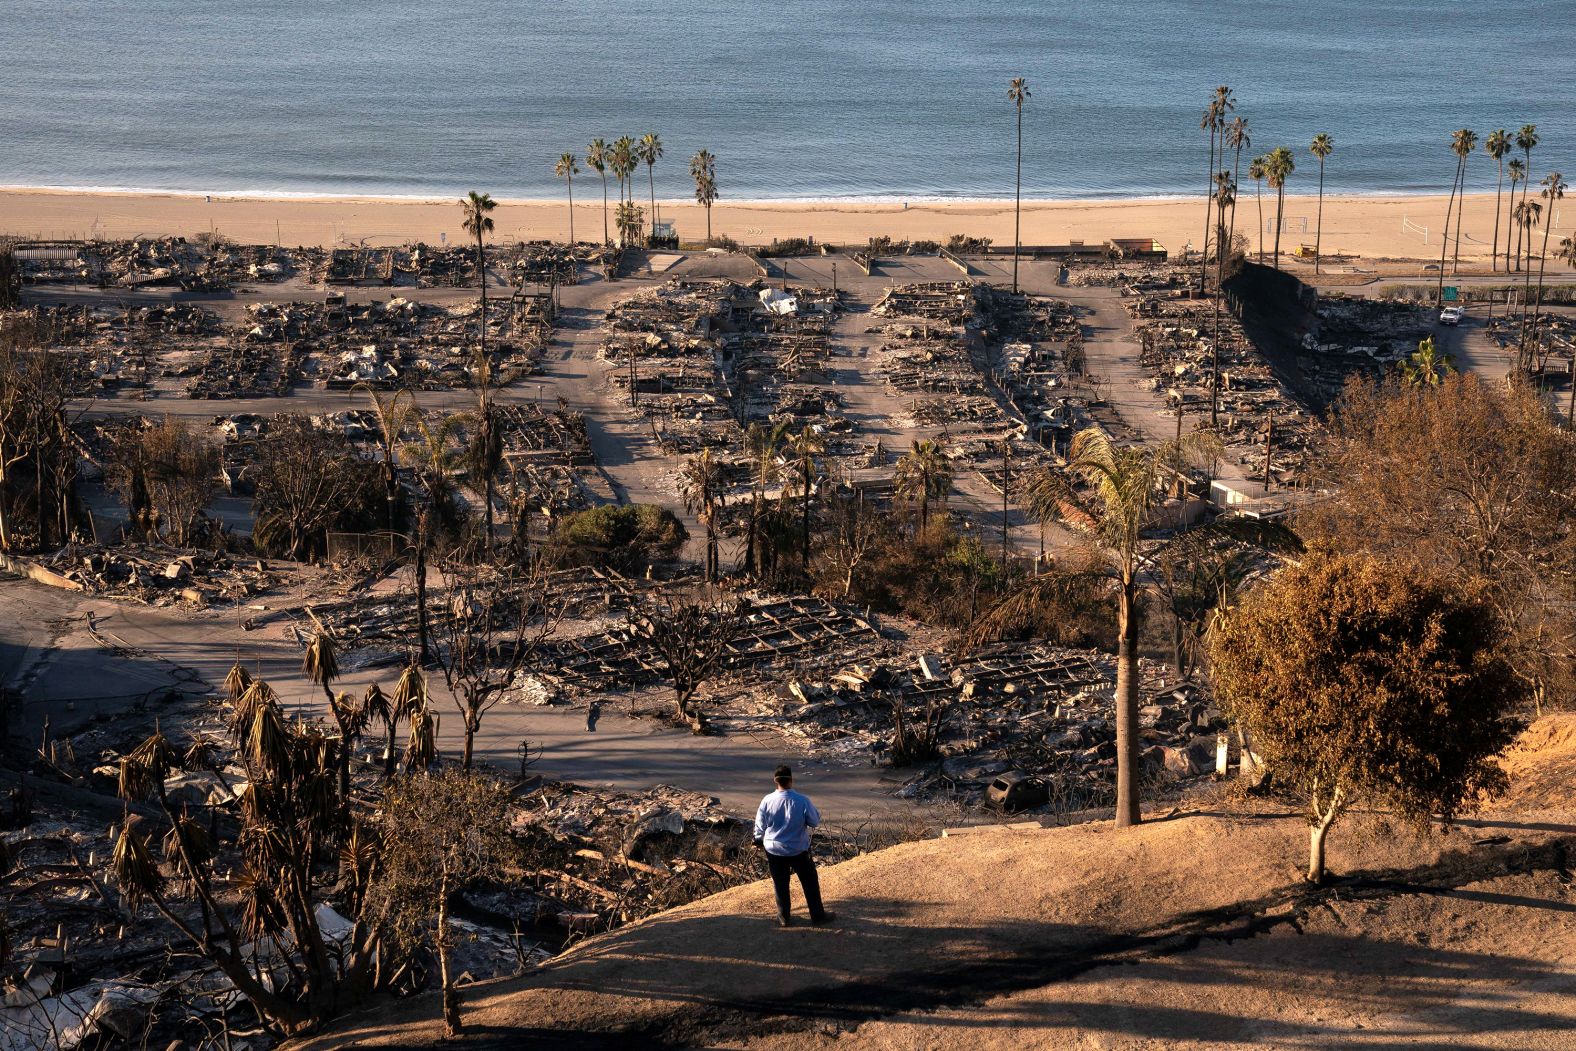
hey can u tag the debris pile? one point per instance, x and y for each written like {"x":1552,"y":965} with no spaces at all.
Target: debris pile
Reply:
{"x":664,"y":346}
{"x":1039,"y":710}
{"x":160,"y":576}
{"x":1256,"y":411}
{"x":1352,"y":336}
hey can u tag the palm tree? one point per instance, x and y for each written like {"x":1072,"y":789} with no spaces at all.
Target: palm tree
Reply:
{"x":1017,"y":93}
{"x":1237,"y":138}
{"x":630,"y":220}
{"x":1213,"y":121}
{"x":623,"y":165}
{"x":923,"y":474}
{"x":478,"y":223}
{"x":436,"y":458}
{"x":1461,"y":143}
{"x":596,"y":158}
{"x":566,"y":170}
{"x":1428,"y":367}
{"x":762,"y":443}
{"x":1526,"y":214}
{"x":1278,"y":166}
{"x":1322,"y":147}
{"x":650,"y":151}
{"x":1496,"y":145}
{"x":806,"y":448}
{"x":1127,"y":485}
{"x":1466,"y":144}
{"x":701,"y":483}
{"x":1526,"y":142}
{"x":703,"y":168}
{"x":392,"y":415}
{"x":1043,"y":497}
{"x":1258,"y":168}
{"x":1554,"y":187}
{"x":1225,"y":198}
{"x":1517,"y":172}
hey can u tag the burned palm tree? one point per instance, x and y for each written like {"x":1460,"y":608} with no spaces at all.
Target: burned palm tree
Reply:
{"x":289,"y":818}
{"x":703,"y":485}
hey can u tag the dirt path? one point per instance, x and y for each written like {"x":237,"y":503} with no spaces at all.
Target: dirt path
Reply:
{"x":986,"y":940}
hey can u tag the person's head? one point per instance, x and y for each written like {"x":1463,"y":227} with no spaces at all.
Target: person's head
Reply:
{"x":783,"y":776}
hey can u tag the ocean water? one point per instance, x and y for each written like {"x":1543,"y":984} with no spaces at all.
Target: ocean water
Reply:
{"x":798,"y":99}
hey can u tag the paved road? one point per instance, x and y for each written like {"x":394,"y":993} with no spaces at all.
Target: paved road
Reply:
{"x":78,"y":657}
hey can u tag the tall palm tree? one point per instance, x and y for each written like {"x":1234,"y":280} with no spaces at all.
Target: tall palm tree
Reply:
{"x":1518,"y":173}
{"x":566,"y":169}
{"x":1225,"y":198}
{"x":1526,"y":214}
{"x":923,"y":474}
{"x":479,"y":223}
{"x":1322,"y":147}
{"x":1238,"y":139}
{"x":596,"y":158}
{"x":1461,"y":143}
{"x":1278,"y":166}
{"x":703,"y":168}
{"x":623,"y":164}
{"x":1526,"y":142}
{"x":1554,"y":187}
{"x":1018,"y":93}
{"x":1468,"y":142}
{"x":1127,"y":484}
{"x":1428,"y":367}
{"x":1496,"y":145}
{"x":806,"y":449}
{"x":701,"y":483}
{"x":1213,"y":122}
{"x":1258,"y":168}
{"x":650,"y":151}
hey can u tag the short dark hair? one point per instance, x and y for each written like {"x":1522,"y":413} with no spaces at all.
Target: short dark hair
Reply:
{"x":783,"y":773}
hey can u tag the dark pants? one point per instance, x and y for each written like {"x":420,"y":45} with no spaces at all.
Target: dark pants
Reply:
{"x":802,"y":866}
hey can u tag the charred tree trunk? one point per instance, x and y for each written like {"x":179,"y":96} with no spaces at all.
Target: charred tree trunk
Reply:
{"x":1127,"y":809}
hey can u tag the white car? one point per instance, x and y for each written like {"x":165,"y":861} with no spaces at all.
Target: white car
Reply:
{"x":1451,"y":316}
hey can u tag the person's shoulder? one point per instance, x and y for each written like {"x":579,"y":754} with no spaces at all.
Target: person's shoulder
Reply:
{"x":798,"y":795}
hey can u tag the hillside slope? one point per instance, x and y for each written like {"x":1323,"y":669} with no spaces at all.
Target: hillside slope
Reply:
{"x":1191,"y":931}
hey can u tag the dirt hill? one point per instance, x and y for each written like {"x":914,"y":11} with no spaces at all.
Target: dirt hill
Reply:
{"x":1193,"y":930}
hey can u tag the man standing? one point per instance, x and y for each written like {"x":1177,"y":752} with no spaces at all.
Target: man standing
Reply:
{"x":782,"y":827}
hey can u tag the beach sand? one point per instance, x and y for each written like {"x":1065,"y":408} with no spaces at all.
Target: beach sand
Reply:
{"x":1366,"y":226}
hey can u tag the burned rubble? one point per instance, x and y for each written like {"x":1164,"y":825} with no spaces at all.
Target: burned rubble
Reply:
{"x":1181,"y":349}
{"x":1042,"y":712}
{"x":1352,"y":336}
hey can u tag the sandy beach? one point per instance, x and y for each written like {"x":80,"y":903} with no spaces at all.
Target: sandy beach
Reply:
{"x":1405,"y":227}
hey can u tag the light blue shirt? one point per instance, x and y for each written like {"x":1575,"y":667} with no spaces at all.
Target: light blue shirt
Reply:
{"x":784,"y":820}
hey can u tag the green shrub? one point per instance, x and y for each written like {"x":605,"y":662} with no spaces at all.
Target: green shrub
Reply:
{"x":627,"y":537}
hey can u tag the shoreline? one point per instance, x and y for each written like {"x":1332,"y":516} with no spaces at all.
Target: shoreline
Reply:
{"x":1371,"y":226}
{"x":264,"y":195}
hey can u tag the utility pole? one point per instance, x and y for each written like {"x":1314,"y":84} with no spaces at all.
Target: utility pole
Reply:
{"x":1006,"y":483}
{"x":1269,"y":445}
